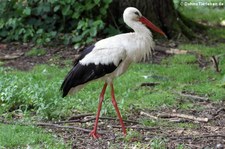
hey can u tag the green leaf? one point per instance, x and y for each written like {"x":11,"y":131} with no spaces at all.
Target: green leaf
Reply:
{"x":66,"y":10}
{"x":46,"y":7}
{"x":47,"y":39}
{"x":98,"y":23}
{"x":103,"y":11}
{"x":97,"y":1}
{"x":22,"y":30}
{"x":107,"y":1}
{"x":77,"y":45}
{"x":52,"y":19}
{"x":89,"y":5}
{"x":82,"y":25}
{"x":27,"y":11}
{"x":76,"y":15}
{"x":56,"y":8}
{"x":76,"y":38}
{"x":52,"y":1}
{"x":89,"y":39}
{"x":85,"y":33}
{"x":53,"y":33}
{"x":93,"y":31}
{"x":2,"y":23}
{"x":66,"y":40}
{"x":40,"y":31}
{"x":68,"y":1}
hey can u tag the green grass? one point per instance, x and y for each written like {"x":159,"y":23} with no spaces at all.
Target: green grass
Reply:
{"x":16,"y":136}
{"x":216,"y":33}
{"x":36,"y":52}
{"x":207,"y":15}
{"x":205,"y":50}
{"x":38,"y":90}
{"x":211,"y":14}
{"x":214,"y":16}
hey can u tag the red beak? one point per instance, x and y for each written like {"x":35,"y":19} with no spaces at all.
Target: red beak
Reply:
{"x":151,"y":25}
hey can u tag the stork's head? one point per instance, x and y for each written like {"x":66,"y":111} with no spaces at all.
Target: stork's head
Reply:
{"x":132,"y":15}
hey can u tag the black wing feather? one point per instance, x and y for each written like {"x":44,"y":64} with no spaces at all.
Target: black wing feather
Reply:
{"x":81,"y":74}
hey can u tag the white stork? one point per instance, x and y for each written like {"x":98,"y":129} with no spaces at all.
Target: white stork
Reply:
{"x":110,"y":57}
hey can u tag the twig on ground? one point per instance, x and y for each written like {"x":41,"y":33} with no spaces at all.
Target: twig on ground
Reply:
{"x":12,"y":56}
{"x":169,"y":50}
{"x":70,"y":121}
{"x":75,"y":121}
{"x":172,"y":115}
{"x":88,"y":120}
{"x":149,"y":115}
{"x":178,"y":120}
{"x":79,"y":116}
{"x":136,"y":127}
{"x":185,"y":116}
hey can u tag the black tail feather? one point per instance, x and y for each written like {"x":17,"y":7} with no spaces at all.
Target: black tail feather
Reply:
{"x":67,"y":84}
{"x":72,"y":77}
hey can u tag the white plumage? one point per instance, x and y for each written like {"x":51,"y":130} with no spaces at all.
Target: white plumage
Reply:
{"x":111,"y":57}
{"x":128,"y":47}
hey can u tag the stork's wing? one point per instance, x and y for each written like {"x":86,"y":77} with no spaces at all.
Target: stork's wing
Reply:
{"x":104,"y":56}
{"x":94,"y":65}
{"x":83,"y":54}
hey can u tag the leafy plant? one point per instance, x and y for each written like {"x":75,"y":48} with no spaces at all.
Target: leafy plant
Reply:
{"x":41,"y":22}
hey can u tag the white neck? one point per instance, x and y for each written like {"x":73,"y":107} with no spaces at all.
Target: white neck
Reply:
{"x":144,"y":41}
{"x":140,"y":29}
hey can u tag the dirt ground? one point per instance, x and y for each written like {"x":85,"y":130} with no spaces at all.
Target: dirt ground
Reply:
{"x":14,"y":55}
{"x":198,"y":134}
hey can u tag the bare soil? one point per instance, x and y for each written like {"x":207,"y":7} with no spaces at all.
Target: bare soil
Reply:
{"x":174,"y":131}
{"x":23,"y":62}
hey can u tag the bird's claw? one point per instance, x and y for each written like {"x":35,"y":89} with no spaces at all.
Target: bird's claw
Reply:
{"x":94,"y":134}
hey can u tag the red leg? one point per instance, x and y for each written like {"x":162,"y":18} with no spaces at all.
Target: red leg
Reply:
{"x":93,"y":133}
{"x":117,"y":109}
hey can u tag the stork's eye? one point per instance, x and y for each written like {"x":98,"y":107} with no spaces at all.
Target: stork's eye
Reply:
{"x":137,"y":13}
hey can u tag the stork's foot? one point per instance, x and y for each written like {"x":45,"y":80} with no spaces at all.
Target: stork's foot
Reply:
{"x":94,"y":134}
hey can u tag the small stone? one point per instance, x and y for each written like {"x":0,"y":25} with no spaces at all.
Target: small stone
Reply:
{"x":219,"y":146}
